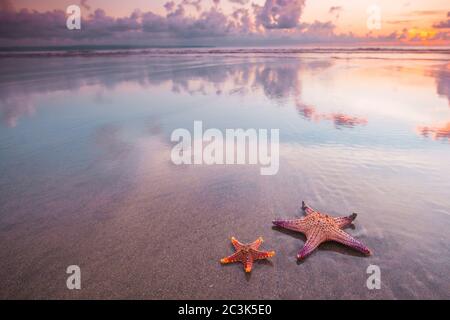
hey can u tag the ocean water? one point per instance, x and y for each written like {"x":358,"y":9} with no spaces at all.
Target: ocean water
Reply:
{"x":86,"y":176}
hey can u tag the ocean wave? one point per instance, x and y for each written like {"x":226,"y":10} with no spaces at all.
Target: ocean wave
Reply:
{"x":118,"y":51}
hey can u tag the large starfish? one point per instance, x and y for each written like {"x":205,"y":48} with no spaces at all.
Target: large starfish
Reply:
{"x":319,"y":227}
{"x":247,"y":253}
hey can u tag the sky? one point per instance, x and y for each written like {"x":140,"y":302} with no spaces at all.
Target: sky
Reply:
{"x":227,"y":22}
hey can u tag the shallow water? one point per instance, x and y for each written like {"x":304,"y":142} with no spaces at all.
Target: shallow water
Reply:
{"x":86,"y":176}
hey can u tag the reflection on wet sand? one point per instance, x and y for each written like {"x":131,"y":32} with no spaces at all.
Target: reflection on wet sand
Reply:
{"x":443,"y":81}
{"x":339,"y":119}
{"x":278,"y":81}
{"x":14,"y":108}
{"x":436,"y":132}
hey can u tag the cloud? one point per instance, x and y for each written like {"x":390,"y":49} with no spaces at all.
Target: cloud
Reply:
{"x":276,"y":22}
{"x":241,"y":2}
{"x":194,"y":3}
{"x":32,"y":24}
{"x":426,"y":12}
{"x":209,"y":24}
{"x":177,"y":23}
{"x":279,"y":14}
{"x":51,"y":25}
{"x":100,"y":25}
{"x":169,"y":6}
{"x":85,"y":5}
{"x":6,"y":6}
{"x":153,"y":23}
{"x":33,"y":27}
{"x":242,"y":21}
{"x":335,"y":10}
{"x":396,"y":22}
{"x":443,"y":24}
{"x":318,"y":28}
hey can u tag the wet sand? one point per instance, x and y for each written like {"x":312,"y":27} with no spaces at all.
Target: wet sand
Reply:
{"x":110,"y":200}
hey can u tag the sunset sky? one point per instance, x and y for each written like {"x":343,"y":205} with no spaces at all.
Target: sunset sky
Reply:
{"x":225,"y":22}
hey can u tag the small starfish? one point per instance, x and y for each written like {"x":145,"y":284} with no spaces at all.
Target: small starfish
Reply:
{"x":319,"y":227}
{"x":247,"y":253}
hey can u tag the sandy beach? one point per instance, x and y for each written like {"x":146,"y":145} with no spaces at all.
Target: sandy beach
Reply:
{"x":86,"y":176}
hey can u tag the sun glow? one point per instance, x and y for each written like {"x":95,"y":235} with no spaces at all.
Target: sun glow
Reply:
{"x":422,"y":34}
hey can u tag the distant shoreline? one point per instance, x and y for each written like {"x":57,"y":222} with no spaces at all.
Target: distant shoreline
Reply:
{"x":127,"y":50}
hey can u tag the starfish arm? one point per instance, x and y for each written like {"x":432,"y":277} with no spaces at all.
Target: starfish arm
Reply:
{"x":255,"y":244}
{"x":294,"y":224}
{"x":259,"y":255}
{"x":307,"y":209}
{"x":311,"y":243}
{"x":237,"y":256}
{"x":341,"y":236}
{"x":248,"y":263}
{"x":343,"y":222}
{"x":237,"y":245}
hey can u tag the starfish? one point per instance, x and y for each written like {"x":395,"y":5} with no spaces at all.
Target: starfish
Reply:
{"x":247,"y":253}
{"x":319,"y":227}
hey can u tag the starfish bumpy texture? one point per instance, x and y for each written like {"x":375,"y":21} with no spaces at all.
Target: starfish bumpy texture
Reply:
{"x":319,"y":227}
{"x":247,"y":253}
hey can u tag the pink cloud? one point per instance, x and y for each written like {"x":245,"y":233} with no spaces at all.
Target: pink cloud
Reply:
{"x":279,"y":14}
{"x":445,"y":24}
{"x":336,"y":11}
{"x":169,"y":6}
{"x":194,"y":3}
